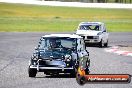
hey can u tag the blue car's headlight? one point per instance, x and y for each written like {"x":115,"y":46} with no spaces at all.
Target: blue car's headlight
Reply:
{"x":68,"y":58}
{"x":35,"y":56}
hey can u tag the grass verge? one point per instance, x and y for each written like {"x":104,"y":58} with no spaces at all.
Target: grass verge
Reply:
{"x":26,"y":18}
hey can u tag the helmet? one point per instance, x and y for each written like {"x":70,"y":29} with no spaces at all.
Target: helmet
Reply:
{"x":55,"y":43}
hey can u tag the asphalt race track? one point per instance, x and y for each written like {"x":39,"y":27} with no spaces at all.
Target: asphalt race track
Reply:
{"x":16,"y":49}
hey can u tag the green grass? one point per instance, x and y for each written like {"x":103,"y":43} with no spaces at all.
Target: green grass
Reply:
{"x":23,"y":18}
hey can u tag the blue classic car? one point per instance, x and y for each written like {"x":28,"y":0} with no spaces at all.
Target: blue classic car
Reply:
{"x":59,"y":53}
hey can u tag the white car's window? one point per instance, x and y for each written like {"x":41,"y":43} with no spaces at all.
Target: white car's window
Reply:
{"x":89,"y":27}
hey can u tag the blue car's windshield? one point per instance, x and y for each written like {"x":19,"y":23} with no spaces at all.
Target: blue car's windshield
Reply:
{"x":58,"y":45}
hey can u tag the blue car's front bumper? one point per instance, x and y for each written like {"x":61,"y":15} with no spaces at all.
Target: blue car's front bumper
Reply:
{"x":52,"y":69}
{"x":52,"y":66}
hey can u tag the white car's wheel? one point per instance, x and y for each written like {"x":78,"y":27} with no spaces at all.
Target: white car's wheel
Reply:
{"x":101,"y":43}
{"x":106,"y":44}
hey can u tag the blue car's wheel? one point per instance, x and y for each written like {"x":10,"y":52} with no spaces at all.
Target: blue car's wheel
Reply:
{"x":32,"y":72}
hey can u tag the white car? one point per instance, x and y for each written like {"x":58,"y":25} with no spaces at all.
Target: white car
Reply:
{"x":93,"y":32}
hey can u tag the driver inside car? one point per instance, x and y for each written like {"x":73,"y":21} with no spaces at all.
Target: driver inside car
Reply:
{"x":55,"y":44}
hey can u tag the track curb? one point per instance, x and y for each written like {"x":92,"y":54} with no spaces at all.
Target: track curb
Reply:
{"x":115,"y":49}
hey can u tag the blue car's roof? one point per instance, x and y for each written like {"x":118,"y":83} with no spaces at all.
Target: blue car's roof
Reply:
{"x":63,"y":35}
